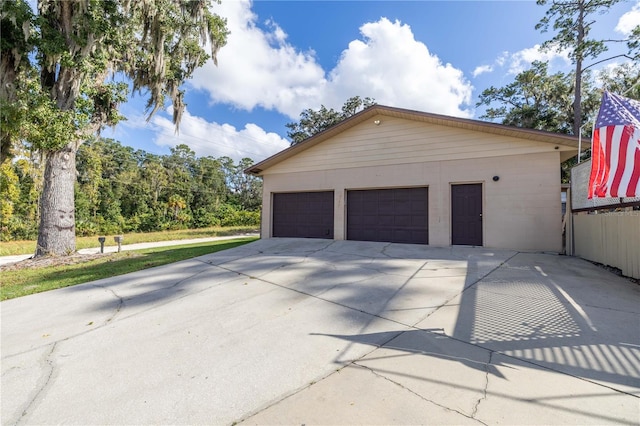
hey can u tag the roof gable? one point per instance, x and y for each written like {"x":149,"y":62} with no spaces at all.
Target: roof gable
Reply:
{"x":423,"y":123}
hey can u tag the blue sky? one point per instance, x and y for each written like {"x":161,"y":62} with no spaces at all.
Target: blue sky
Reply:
{"x":286,"y":56}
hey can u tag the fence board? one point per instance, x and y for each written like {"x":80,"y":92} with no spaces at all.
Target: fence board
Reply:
{"x":612,"y":239}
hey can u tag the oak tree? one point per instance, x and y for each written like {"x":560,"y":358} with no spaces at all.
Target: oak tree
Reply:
{"x":312,"y":122}
{"x":67,"y":68}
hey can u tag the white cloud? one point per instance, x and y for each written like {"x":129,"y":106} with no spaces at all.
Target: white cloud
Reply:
{"x":390,"y":65}
{"x":521,"y":60}
{"x":259,"y":68}
{"x":503,"y":58}
{"x":217,"y":140}
{"x":629,"y":20}
{"x":482,"y":69}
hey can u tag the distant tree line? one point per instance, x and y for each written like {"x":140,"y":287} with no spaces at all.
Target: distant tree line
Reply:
{"x":119,"y":189}
{"x":543,"y":101}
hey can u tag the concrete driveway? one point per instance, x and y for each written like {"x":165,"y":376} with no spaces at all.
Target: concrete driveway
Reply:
{"x":290,"y":331}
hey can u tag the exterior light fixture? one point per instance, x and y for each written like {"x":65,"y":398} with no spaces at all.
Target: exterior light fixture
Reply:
{"x":377,"y":122}
{"x":496,"y":178}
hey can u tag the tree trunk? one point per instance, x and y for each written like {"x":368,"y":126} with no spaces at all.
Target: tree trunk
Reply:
{"x":577,"y":103}
{"x":577,"y":98}
{"x":57,"y":230}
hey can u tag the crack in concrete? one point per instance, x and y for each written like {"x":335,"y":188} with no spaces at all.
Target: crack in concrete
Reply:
{"x":49,"y":358}
{"x":382,"y":376}
{"x":157,"y":305}
{"x":118,"y":298}
{"x":45,"y":380}
{"x":486,"y":386}
{"x":384,"y":251}
{"x":122,"y":303}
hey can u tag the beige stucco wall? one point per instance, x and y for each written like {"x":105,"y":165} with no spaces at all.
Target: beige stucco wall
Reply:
{"x":521,"y":211}
{"x":398,"y":141}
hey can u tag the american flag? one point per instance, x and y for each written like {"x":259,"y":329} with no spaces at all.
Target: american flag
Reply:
{"x":615,"y":164}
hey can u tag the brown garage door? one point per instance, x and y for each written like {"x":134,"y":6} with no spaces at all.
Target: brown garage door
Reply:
{"x":303,"y":215}
{"x":396,"y":215}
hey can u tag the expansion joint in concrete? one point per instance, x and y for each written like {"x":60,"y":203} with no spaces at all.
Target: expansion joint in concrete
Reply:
{"x":382,"y":376}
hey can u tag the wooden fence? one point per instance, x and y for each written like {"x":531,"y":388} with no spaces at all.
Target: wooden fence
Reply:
{"x":611,"y":238}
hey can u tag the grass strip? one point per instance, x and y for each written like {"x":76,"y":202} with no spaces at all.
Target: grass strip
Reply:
{"x":9,"y":248}
{"x":30,"y":281}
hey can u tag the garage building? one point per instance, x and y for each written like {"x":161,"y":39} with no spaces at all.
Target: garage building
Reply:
{"x":396,"y":175}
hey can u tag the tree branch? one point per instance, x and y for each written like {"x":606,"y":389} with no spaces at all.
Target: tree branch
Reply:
{"x":608,"y":59}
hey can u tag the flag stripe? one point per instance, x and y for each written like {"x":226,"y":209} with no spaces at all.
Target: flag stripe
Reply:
{"x":611,"y":159}
{"x":633,"y":145}
{"x":596,"y":163}
{"x":620,"y":157}
{"x":633,"y":188}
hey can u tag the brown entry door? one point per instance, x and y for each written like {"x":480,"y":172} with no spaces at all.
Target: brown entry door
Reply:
{"x":303,"y":215}
{"x":466,"y":214}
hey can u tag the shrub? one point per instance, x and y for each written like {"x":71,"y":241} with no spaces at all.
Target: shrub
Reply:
{"x":202,"y":218}
{"x":86,"y":228}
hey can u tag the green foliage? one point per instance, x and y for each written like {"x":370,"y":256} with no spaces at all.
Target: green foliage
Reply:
{"x":35,"y":118}
{"x":58,"y":87}
{"x":231,"y":215}
{"x":569,"y":19}
{"x":16,"y":42}
{"x":244,"y":190}
{"x":537,"y":100}
{"x":10,"y":194}
{"x":623,"y":79}
{"x":540,"y":101}
{"x":313,"y":122}
{"x":572,"y":21}
{"x":119,"y":189}
{"x":202,"y":218}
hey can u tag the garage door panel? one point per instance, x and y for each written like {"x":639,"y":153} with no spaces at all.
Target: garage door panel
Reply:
{"x":386,"y":220}
{"x":391,"y":215}
{"x":403,"y":236}
{"x":383,"y":207}
{"x":303,"y":214}
{"x":417,"y":225}
{"x":403,"y":207}
{"x":369,"y":206}
{"x":382,"y":235}
{"x":404,"y":221}
{"x":359,"y":221}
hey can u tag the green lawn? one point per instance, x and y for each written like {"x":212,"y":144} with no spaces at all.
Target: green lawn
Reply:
{"x":8,"y":248}
{"x":29,"y":281}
